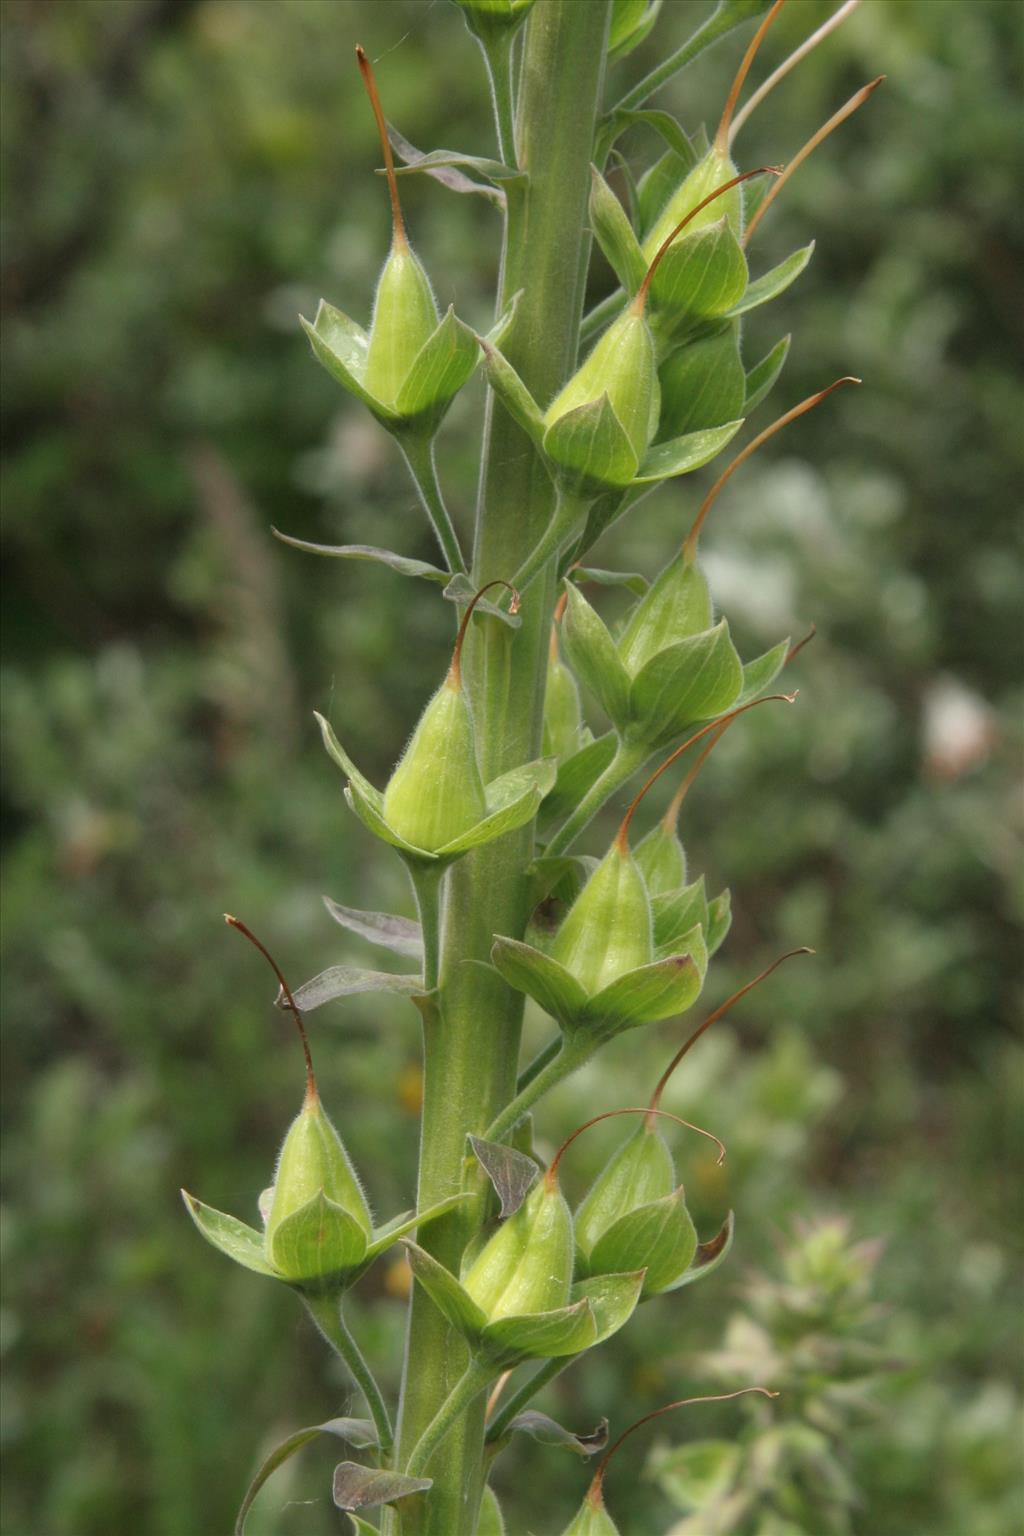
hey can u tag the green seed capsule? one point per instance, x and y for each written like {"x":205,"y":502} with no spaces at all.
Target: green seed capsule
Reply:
{"x":676,"y":606}
{"x":527,"y":1265}
{"x":404,"y":318}
{"x":640,"y":1171}
{"x":713,"y":171}
{"x":436,"y":792}
{"x":494,"y":19}
{"x":621,"y":365}
{"x":312,"y":1159}
{"x":591,"y":1519}
{"x":608,"y":929}
{"x":662,"y":860}
{"x":563,"y":714}
{"x":703,"y":384}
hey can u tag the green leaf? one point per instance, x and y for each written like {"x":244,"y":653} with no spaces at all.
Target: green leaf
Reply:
{"x":440,"y":159}
{"x":701,"y":277}
{"x":403,"y":564}
{"x":359,"y":1487}
{"x":660,"y":1235}
{"x":763,"y":376}
{"x":613,"y":1298}
{"x":509,"y":787}
{"x":695,"y":679}
{"x":512,"y":1173}
{"x":357,"y":1432}
{"x":676,"y":913}
{"x":760,"y":673}
{"x":614,"y":234}
{"x":547,"y":1432}
{"x":513,"y":393}
{"x":347,"y":766}
{"x":318,"y":1240}
{"x":461,"y":591}
{"x":383,"y":1237}
{"x":241,"y":1243}
{"x":399,"y":934}
{"x":350,"y":981}
{"x":440,"y":368}
{"x":768,"y":287}
{"x":682,"y":454}
{"x":450,"y":1298}
{"x":575,"y":777}
{"x":550,"y":985}
{"x":582,"y":574}
{"x":649,"y":993}
{"x":719,"y":921}
{"x":591,"y":653}
{"x":448,"y":175}
{"x":709,"y":1255}
{"x":540,"y":1335}
{"x":590,"y":447}
{"x":340,"y":346}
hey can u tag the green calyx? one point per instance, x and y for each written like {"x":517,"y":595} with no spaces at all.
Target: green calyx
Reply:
{"x":675,"y":607}
{"x":526,"y":1267}
{"x":661,"y":858}
{"x":607,"y":931}
{"x":404,"y":319}
{"x":639,"y":1171}
{"x":436,"y":793}
{"x":621,"y":368}
{"x":312,"y":1161}
{"x":707,"y":175}
{"x":592,"y":1519}
{"x":631,"y":21}
{"x":494,"y":19}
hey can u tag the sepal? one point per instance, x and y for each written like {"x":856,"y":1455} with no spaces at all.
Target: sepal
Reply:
{"x":763,"y":289}
{"x":681,"y":455}
{"x":650,"y":993}
{"x":695,"y":679}
{"x":762,"y":378}
{"x":591,"y":652}
{"x":614,"y":234}
{"x":660,"y":1236}
{"x":708,"y":1256}
{"x":589,"y":449}
{"x":319,"y":1242}
{"x":239,"y":1242}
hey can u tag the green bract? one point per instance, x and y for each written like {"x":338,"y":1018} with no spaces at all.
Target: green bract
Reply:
{"x":318,"y":1233}
{"x":492,"y":19}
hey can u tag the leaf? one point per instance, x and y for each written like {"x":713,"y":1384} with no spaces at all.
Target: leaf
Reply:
{"x":359,"y":1487}
{"x":614,"y":234}
{"x":545,"y":1430}
{"x":550,"y":985}
{"x":660,"y":1235}
{"x":508,"y":787}
{"x":317,"y":1240}
{"x":506,"y":817}
{"x":649,"y":993}
{"x":240,"y":1242}
{"x":403,"y":564}
{"x":676,"y":912}
{"x":768,"y":287}
{"x":682,"y":454}
{"x":345,"y":763}
{"x":694,"y":679}
{"x":709,"y":1255}
{"x":613,"y":1298}
{"x":460,"y":590}
{"x":448,"y":175}
{"x":540,"y":1335}
{"x":719,"y":920}
{"x":450,"y":1298}
{"x":512,"y":1173}
{"x":442,"y":159}
{"x":576,"y":775}
{"x":763,"y":376}
{"x":590,"y":448}
{"x":513,"y":393}
{"x":383,"y":1237}
{"x":349,"y":981}
{"x":357,"y":1432}
{"x":760,"y":673}
{"x":399,"y":934}
{"x":591,"y":653}
{"x":439,"y":370}
{"x":702,"y":276}
{"x":582,"y":574}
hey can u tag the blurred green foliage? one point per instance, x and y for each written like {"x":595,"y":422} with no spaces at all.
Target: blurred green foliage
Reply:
{"x":183,"y":176}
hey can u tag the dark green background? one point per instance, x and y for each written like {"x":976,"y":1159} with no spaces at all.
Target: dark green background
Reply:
{"x":181,"y":178}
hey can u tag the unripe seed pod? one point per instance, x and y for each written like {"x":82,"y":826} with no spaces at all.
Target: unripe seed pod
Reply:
{"x":608,"y":929}
{"x":662,"y":859}
{"x":404,"y":318}
{"x":677,"y":605}
{"x":527,"y":1265}
{"x":623,"y":366}
{"x":494,"y":18}
{"x":591,"y":1519}
{"x":436,"y":792}
{"x":563,"y":713}
{"x":313,"y":1158}
{"x":640,"y":1171}
{"x":709,"y":173}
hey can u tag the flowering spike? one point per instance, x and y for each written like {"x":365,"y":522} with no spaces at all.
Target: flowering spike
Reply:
{"x":722,"y":136}
{"x":807,"y":46}
{"x":311,"y":1089}
{"x":713,"y":1018}
{"x":847,"y":110}
{"x":690,"y":544}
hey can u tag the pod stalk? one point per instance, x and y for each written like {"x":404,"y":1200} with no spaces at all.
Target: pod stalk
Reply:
{"x":397,"y":222}
{"x":722,"y":135}
{"x":551,"y":1177}
{"x":847,"y":110}
{"x":713,"y":1018}
{"x":690,"y":543}
{"x":312,"y":1095}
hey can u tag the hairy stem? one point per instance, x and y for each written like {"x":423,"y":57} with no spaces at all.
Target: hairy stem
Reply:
{"x":474,"y":1379}
{"x":419,"y":455}
{"x":325,"y":1310}
{"x":573,"y":1052}
{"x":628,"y":758}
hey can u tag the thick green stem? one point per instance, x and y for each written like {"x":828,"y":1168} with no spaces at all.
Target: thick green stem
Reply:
{"x":326,"y":1312}
{"x":628,"y":758}
{"x":471,"y":1036}
{"x":419,"y":455}
{"x":467,"y":1389}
